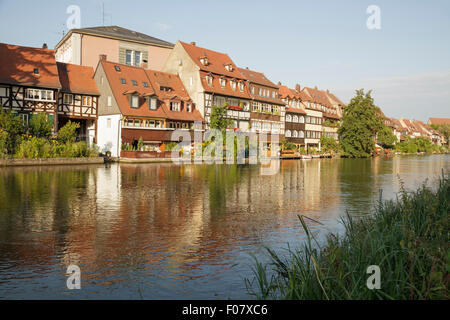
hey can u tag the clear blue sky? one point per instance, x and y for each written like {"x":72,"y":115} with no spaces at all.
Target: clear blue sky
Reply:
{"x":313,"y":43}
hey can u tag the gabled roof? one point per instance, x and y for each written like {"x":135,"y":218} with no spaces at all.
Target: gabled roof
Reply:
{"x":18,"y":64}
{"x":257,"y":77}
{"x":77,"y":79}
{"x":155,"y":80}
{"x":318,"y":96}
{"x":227,"y":90}
{"x":439,"y":121}
{"x":333,"y":99}
{"x":216,"y":61}
{"x":287,"y":93}
{"x":119,"y":33}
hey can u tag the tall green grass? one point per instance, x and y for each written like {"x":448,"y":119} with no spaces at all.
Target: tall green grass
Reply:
{"x":408,"y":238}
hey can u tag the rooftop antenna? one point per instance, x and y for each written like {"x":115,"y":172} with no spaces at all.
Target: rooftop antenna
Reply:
{"x":103,"y":13}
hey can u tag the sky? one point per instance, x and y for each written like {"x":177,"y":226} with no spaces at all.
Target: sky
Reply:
{"x":323,"y":43}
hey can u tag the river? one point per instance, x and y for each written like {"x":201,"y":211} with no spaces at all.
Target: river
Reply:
{"x":168,"y":231}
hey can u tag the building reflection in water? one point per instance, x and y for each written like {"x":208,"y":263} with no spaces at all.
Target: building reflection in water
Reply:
{"x":166,"y":221}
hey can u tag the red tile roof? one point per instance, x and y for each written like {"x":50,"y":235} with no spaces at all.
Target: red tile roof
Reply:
{"x":216,"y":61}
{"x":77,"y":79}
{"x":260,"y":79}
{"x":18,"y":64}
{"x":156,"y":81}
{"x":318,"y":96}
{"x":439,"y":121}
{"x":227,"y":90}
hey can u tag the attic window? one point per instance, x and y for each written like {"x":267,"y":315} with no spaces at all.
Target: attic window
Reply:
{"x":134,"y":83}
{"x":229,"y":67}
{"x":241,"y":86}
{"x":166,"y":89}
{"x":135,"y":101}
{"x":117,"y":68}
{"x":209,"y":78}
{"x":233,"y":85}
{"x":204,"y":61}
{"x":122,"y":80}
{"x":223,"y":82}
{"x":36,"y":71}
{"x":145,"y":84}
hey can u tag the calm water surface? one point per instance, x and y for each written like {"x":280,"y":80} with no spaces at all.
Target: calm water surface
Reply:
{"x":165,"y":231}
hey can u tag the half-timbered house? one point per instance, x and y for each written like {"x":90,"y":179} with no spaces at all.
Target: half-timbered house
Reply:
{"x":29,"y":81}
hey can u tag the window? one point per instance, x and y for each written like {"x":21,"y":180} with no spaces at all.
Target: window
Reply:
{"x":210,"y":80}
{"x":288,"y":118}
{"x":145,"y":84}
{"x":25,"y":118}
{"x":35,"y":94}
{"x":137,"y":58}
{"x":108,"y":123}
{"x":288,"y":133}
{"x":301,"y":134}
{"x":68,"y":98}
{"x":175,"y":106}
{"x":252,"y":89}
{"x":188,"y":107}
{"x":294,"y":119}
{"x":134,"y":83}
{"x":302,"y":119}
{"x":77,"y":100}
{"x":117,"y":68}
{"x":273,"y":94}
{"x":36,"y":71}
{"x":122,"y":80}
{"x":191,"y":81}
{"x":204,"y":61}
{"x":223,"y":82}
{"x":241,"y":86}
{"x":128,"y":57}
{"x":295,"y":134}
{"x":109,"y":103}
{"x":152,"y":102}
{"x":135,"y":101}
{"x":233,"y":85}
{"x":87,"y":101}
{"x":229,"y":67}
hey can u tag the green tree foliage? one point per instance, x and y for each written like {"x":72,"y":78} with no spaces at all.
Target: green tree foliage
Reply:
{"x":386,"y":138}
{"x":40,"y":126}
{"x":285,"y":145}
{"x":419,"y":144}
{"x":329,"y":144}
{"x":443,"y":129}
{"x":68,"y":133}
{"x":360,"y":122}
{"x":13,"y":126}
{"x":218,"y":118}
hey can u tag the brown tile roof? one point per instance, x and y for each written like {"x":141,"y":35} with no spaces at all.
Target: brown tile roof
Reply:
{"x":257,"y":77}
{"x":227,"y":90}
{"x":156,"y":81}
{"x":318,"y":96}
{"x":18,"y":64}
{"x":77,"y":79}
{"x":439,"y":121}
{"x":296,"y":110}
{"x":216,"y":61}
{"x":333,"y":98}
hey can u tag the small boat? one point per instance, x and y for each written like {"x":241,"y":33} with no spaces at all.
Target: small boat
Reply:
{"x":306,"y":157}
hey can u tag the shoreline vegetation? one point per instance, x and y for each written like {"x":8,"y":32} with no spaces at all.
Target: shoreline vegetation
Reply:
{"x":408,"y":238}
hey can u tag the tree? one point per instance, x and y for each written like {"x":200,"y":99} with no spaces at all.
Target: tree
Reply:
{"x":386,"y":138}
{"x":329,"y":144}
{"x":68,"y":133}
{"x":218,"y":118}
{"x":40,"y":126}
{"x":360,"y":123}
{"x":12,"y":127}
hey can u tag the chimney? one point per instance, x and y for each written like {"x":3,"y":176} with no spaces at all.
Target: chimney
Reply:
{"x":297,"y":87}
{"x":279,"y":83}
{"x":315,"y":87}
{"x":246,"y":68}
{"x":144,"y":64}
{"x":102,"y":57}
{"x":328,"y":91}
{"x":44,"y":46}
{"x":193,"y":43}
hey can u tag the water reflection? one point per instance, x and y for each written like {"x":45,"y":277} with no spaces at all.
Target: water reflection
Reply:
{"x":171,"y":231}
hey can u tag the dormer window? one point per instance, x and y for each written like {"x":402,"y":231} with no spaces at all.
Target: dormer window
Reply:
{"x":223,"y":82}
{"x":241,"y":86}
{"x":152,"y":103}
{"x":175,"y":106}
{"x":122,"y":80}
{"x":36,"y":71}
{"x":189,"y":107}
{"x":134,"y":101}
{"x":209,"y":78}
{"x":204,"y":61}
{"x":233,"y":85}
{"x":229,"y":67}
{"x":117,"y":68}
{"x":134,"y":83}
{"x":165,"y":89}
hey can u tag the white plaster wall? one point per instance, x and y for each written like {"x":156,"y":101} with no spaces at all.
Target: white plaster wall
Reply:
{"x":109,"y":139}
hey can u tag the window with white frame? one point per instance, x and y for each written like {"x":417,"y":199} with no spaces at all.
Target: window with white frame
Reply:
{"x":302,"y":119}
{"x":288,"y":118}
{"x":233,"y":85}
{"x":109,"y":102}
{"x":37,"y":94}
{"x":301,"y":134}
{"x":135,"y":101}
{"x":294,"y":119}
{"x":189,"y":107}
{"x":175,"y":106}
{"x":152,"y":103}
{"x":295,"y":134}
{"x":223,"y":82}
{"x":288,"y":133}
{"x":241,"y":86}
{"x":108,"y":123}
{"x":133,"y":58}
{"x":209,"y":79}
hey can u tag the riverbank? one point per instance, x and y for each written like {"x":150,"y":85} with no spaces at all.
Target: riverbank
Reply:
{"x":50,"y":161}
{"x":407,"y":238}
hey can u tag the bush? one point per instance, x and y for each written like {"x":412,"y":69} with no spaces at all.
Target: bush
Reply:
{"x":68,"y":133}
{"x":3,"y":143}
{"x":12,"y":125}
{"x":34,"y":147}
{"x":40,"y":126}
